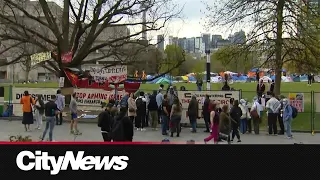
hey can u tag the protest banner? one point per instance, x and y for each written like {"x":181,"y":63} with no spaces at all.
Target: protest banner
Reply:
{"x":117,"y":72}
{"x":40,"y":57}
{"x":222,"y":97}
{"x":297,"y":101}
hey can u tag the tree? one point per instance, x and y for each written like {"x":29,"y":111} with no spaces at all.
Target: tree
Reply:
{"x":275,"y":29}
{"x":188,"y":66}
{"x":82,"y":27}
{"x":174,"y":58}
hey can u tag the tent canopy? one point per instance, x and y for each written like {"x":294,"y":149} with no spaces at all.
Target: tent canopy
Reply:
{"x":163,"y":81}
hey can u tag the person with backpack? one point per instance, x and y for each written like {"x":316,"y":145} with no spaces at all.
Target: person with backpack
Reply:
{"x":122,"y":128}
{"x":287,"y":117}
{"x":124,"y":101}
{"x":39,"y":106}
{"x":153,"y":110}
{"x":214,"y":123}
{"x":27,"y":102}
{"x":141,"y":103}
{"x":105,"y":122}
{"x":255,"y":113}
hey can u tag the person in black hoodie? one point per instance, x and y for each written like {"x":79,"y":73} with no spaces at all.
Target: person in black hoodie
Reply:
{"x":206,"y":113}
{"x":153,"y":110}
{"x":122,"y":129}
{"x":105,"y":121}
{"x":235,"y":114}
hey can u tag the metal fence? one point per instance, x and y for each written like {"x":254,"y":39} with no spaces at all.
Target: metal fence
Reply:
{"x":307,"y":121}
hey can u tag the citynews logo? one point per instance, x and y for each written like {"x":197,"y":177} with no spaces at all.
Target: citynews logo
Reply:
{"x":42,"y":161}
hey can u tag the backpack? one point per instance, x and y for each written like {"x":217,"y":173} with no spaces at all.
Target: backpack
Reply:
{"x":294,"y":112}
{"x":124,"y":102}
{"x":117,"y":131}
{"x":102,"y":116}
{"x":140,"y":104}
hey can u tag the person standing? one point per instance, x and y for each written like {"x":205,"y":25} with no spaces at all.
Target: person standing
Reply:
{"x":105,"y":122}
{"x":260,"y":88}
{"x":287,"y":117}
{"x":199,"y":84}
{"x":51,"y":110}
{"x":225,"y":123}
{"x":193,"y":113}
{"x":175,"y":117}
{"x":132,"y":108}
{"x":244,"y":116}
{"x":39,"y":106}
{"x":206,"y":113}
{"x":27,"y":102}
{"x":255,"y":112}
{"x":60,"y":104}
{"x":310,"y":79}
{"x":165,"y":114}
{"x":141,"y":104}
{"x":153,"y":110}
{"x":280,"y":115}
{"x":273,"y":106}
{"x":214,"y":123}
{"x":159,"y":99}
{"x":122,"y":127}
{"x":235,"y":114}
{"x":74,"y":115}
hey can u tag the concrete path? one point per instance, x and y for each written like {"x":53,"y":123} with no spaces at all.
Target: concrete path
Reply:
{"x":92,"y":133}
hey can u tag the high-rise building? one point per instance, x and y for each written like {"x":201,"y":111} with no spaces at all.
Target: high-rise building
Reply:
{"x":206,"y":40}
{"x":214,"y":40}
{"x":238,"y":37}
{"x":160,"y":42}
{"x":182,"y":42}
{"x":191,"y":45}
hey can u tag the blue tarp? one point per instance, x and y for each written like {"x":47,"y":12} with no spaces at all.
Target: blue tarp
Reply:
{"x":191,"y":78}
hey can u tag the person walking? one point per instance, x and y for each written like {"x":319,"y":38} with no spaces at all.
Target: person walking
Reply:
{"x":175,"y":117}
{"x":206,"y":113}
{"x":224,"y":124}
{"x":199,"y":84}
{"x":214,"y":123}
{"x":74,"y":115}
{"x":132,"y":107}
{"x":165,"y":114}
{"x":273,"y":106}
{"x":153,"y":110}
{"x":244,"y":117}
{"x":122,"y":128}
{"x":60,"y":104}
{"x":235,"y":114}
{"x":51,"y":110}
{"x":310,"y":77}
{"x":255,"y":113}
{"x":27,"y":102}
{"x":39,"y":112}
{"x":193,"y":113}
{"x":287,"y":117}
{"x":105,"y":122}
{"x":141,"y":104}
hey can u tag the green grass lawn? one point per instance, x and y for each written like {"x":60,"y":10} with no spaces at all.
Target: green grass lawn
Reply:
{"x":302,"y":122}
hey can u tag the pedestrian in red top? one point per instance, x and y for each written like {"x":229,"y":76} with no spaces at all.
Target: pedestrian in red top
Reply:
{"x":214,"y":123}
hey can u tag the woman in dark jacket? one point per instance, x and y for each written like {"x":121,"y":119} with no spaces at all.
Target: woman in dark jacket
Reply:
{"x":225,"y":123}
{"x":193,"y":110}
{"x":235,"y":114}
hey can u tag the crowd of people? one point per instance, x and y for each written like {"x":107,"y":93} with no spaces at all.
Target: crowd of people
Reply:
{"x":119,"y":119}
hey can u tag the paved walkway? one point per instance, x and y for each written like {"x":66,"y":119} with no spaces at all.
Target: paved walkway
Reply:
{"x":91,"y":133}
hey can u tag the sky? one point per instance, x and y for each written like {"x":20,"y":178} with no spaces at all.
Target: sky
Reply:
{"x":191,"y":23}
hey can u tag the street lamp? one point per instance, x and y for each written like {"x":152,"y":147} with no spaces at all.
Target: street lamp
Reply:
{"x":208,"y":70}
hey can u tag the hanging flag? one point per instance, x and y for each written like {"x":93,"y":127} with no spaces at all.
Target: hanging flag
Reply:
{"x":72,"y":77}
{"x":40,"y":57}
{"x":67,"y":57}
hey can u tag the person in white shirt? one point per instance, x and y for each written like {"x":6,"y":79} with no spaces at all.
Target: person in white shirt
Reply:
{"x":273,"y":106}
{"x":140,"y":121}
{"x":255,"y":112}
{"x":244,"y":117}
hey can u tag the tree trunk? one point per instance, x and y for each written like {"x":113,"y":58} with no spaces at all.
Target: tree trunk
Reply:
{"x":278,"y":47}
{"x":27,"y":75}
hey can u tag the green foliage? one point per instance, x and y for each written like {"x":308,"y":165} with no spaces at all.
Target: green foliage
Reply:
{"x":174,"y":56}
{"x":233,"y":58}
{"x":199,"y":68}
{"x":20,"y":138}
{"x":188,"y":66}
